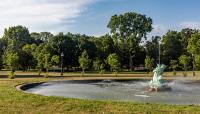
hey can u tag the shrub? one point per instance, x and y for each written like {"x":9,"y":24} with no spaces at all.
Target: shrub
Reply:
{"x":11,"y":75}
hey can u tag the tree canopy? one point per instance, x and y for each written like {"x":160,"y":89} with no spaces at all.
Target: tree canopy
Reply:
{"x":125,"y":47}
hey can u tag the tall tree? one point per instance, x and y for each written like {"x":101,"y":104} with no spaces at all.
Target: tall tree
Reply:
{"x":84,"y":61}
{"x":46,"y":36}
{"x":173,"y":66}
{"x":12,"y":61}
{"x":113,"y":61}
{"x":186,"y":34}
{"x":63,"y":43}
{"x":105,"y":46}
{"x":152,"y":46}
{"x":27,"y":59}
{"x":18,"y":36}
{"x":197,"y":61}
{"x":194,"y":44}
{"x":184,"y":60}
{"x":149,"y":62}
{"x":171,"y":47}
{"x":128,"y":29}
{"x":2,"y":50}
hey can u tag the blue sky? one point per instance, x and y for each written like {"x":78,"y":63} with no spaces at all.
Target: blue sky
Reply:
{"x":91,"y":16}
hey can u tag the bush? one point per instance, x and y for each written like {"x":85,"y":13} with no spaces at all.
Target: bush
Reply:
{"x":46,"y":75}
{"x":11,"y":75}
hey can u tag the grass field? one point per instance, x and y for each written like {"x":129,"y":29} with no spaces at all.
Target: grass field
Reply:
{"x":13,"y":101}
{"x":4,"y":74}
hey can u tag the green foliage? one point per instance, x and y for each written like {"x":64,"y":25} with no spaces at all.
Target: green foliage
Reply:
{"x":12,"y":60}
{"x":84,"y":61}
{"x":184,"y":60}
{"x":174,"y":66}
{"x":149,"y":62}
{"x":197,"y":61}
{"x":26,"y":58}
{"x":11,"y":75}
{"x":47,"y":63}
{"x":64,"y":43}
{"x":130,"y":24}
{"x":43,"y":57}
{"x":55,"y":59}
{"x":102,"y":68}
{"x":171,"y":46}
{"x":128,"y":29}
{"x":42,"y":50}
{"x":194,"y":44}
{"x":18,"y":36}
{"x":113,"y":61}
{"x":97,"y":64}
{"x":185,"y":37}
{"x":152,"y":47}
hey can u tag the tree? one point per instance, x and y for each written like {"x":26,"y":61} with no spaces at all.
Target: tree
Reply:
{"x":62,"y":43}
{"x":184,"y":60}
{"x":2,"y":50}
{"x":84,"y":61}
{"x":44,"y":57}
{"x":174,"y":66}
{"x":193,"y":48}
{"x":105,"y":46}
{"x":86,"y":43}
{"x":12,"y":61}
{"x":47,"y":63}
{"x":194,"y":44}
{"x":18,"y":36}
{"x":151,"y":47}
{"x":102,"y":68}
{"x":97,"y":64}
{"x":45,"y":36}
{"x":197,"y":61}
{"x":186,"y":34}
{"x":55,"y":60}
{"x":37,"y":38}
{"x":128,"y":29}
{"x":113,"y":61}
{"x":149,"y":62}
{"x":171,"y":47}
{"x":27,"y":59}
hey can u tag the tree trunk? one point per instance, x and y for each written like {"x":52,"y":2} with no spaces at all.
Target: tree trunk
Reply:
{"x":131,"y":62}
{"x":47,"y":73}
{"x":39,"y":72}
{"x":83,"y":72}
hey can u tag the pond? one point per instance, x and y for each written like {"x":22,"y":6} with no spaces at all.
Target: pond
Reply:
{"x":183,"y":92}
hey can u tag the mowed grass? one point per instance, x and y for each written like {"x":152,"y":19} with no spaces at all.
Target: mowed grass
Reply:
{"x":13,"y":101}
{"x":22,"y":74}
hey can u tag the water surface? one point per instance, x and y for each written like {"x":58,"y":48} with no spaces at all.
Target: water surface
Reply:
{"x":183,"y":92}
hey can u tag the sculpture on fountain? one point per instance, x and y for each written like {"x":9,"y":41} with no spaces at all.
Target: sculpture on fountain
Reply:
{"x":157,"y":83}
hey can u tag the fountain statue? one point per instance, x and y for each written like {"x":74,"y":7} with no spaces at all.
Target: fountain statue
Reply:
{"x":157,"y":83}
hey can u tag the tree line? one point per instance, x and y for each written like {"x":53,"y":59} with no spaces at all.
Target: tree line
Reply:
{"x":125,"y":47}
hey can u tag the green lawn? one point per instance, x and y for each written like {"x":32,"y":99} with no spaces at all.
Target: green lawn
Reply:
{"x":96,"y":74}
{"x":13,"y":101}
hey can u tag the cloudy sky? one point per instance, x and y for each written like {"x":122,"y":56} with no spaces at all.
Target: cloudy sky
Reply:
{"x":91,"y":16}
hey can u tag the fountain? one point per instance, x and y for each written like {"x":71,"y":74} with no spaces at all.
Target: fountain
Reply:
{"x":157,"y":83}
{"x":184,"y":92}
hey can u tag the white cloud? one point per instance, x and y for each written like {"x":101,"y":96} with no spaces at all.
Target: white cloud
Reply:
{"x":41,"y":15}
{"x":190,"y":24}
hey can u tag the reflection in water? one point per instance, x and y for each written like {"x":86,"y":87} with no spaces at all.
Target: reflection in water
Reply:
{"x":183,"y":92}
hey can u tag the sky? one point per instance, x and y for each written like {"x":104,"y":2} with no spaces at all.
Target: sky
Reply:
{"x":91,"y":17}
